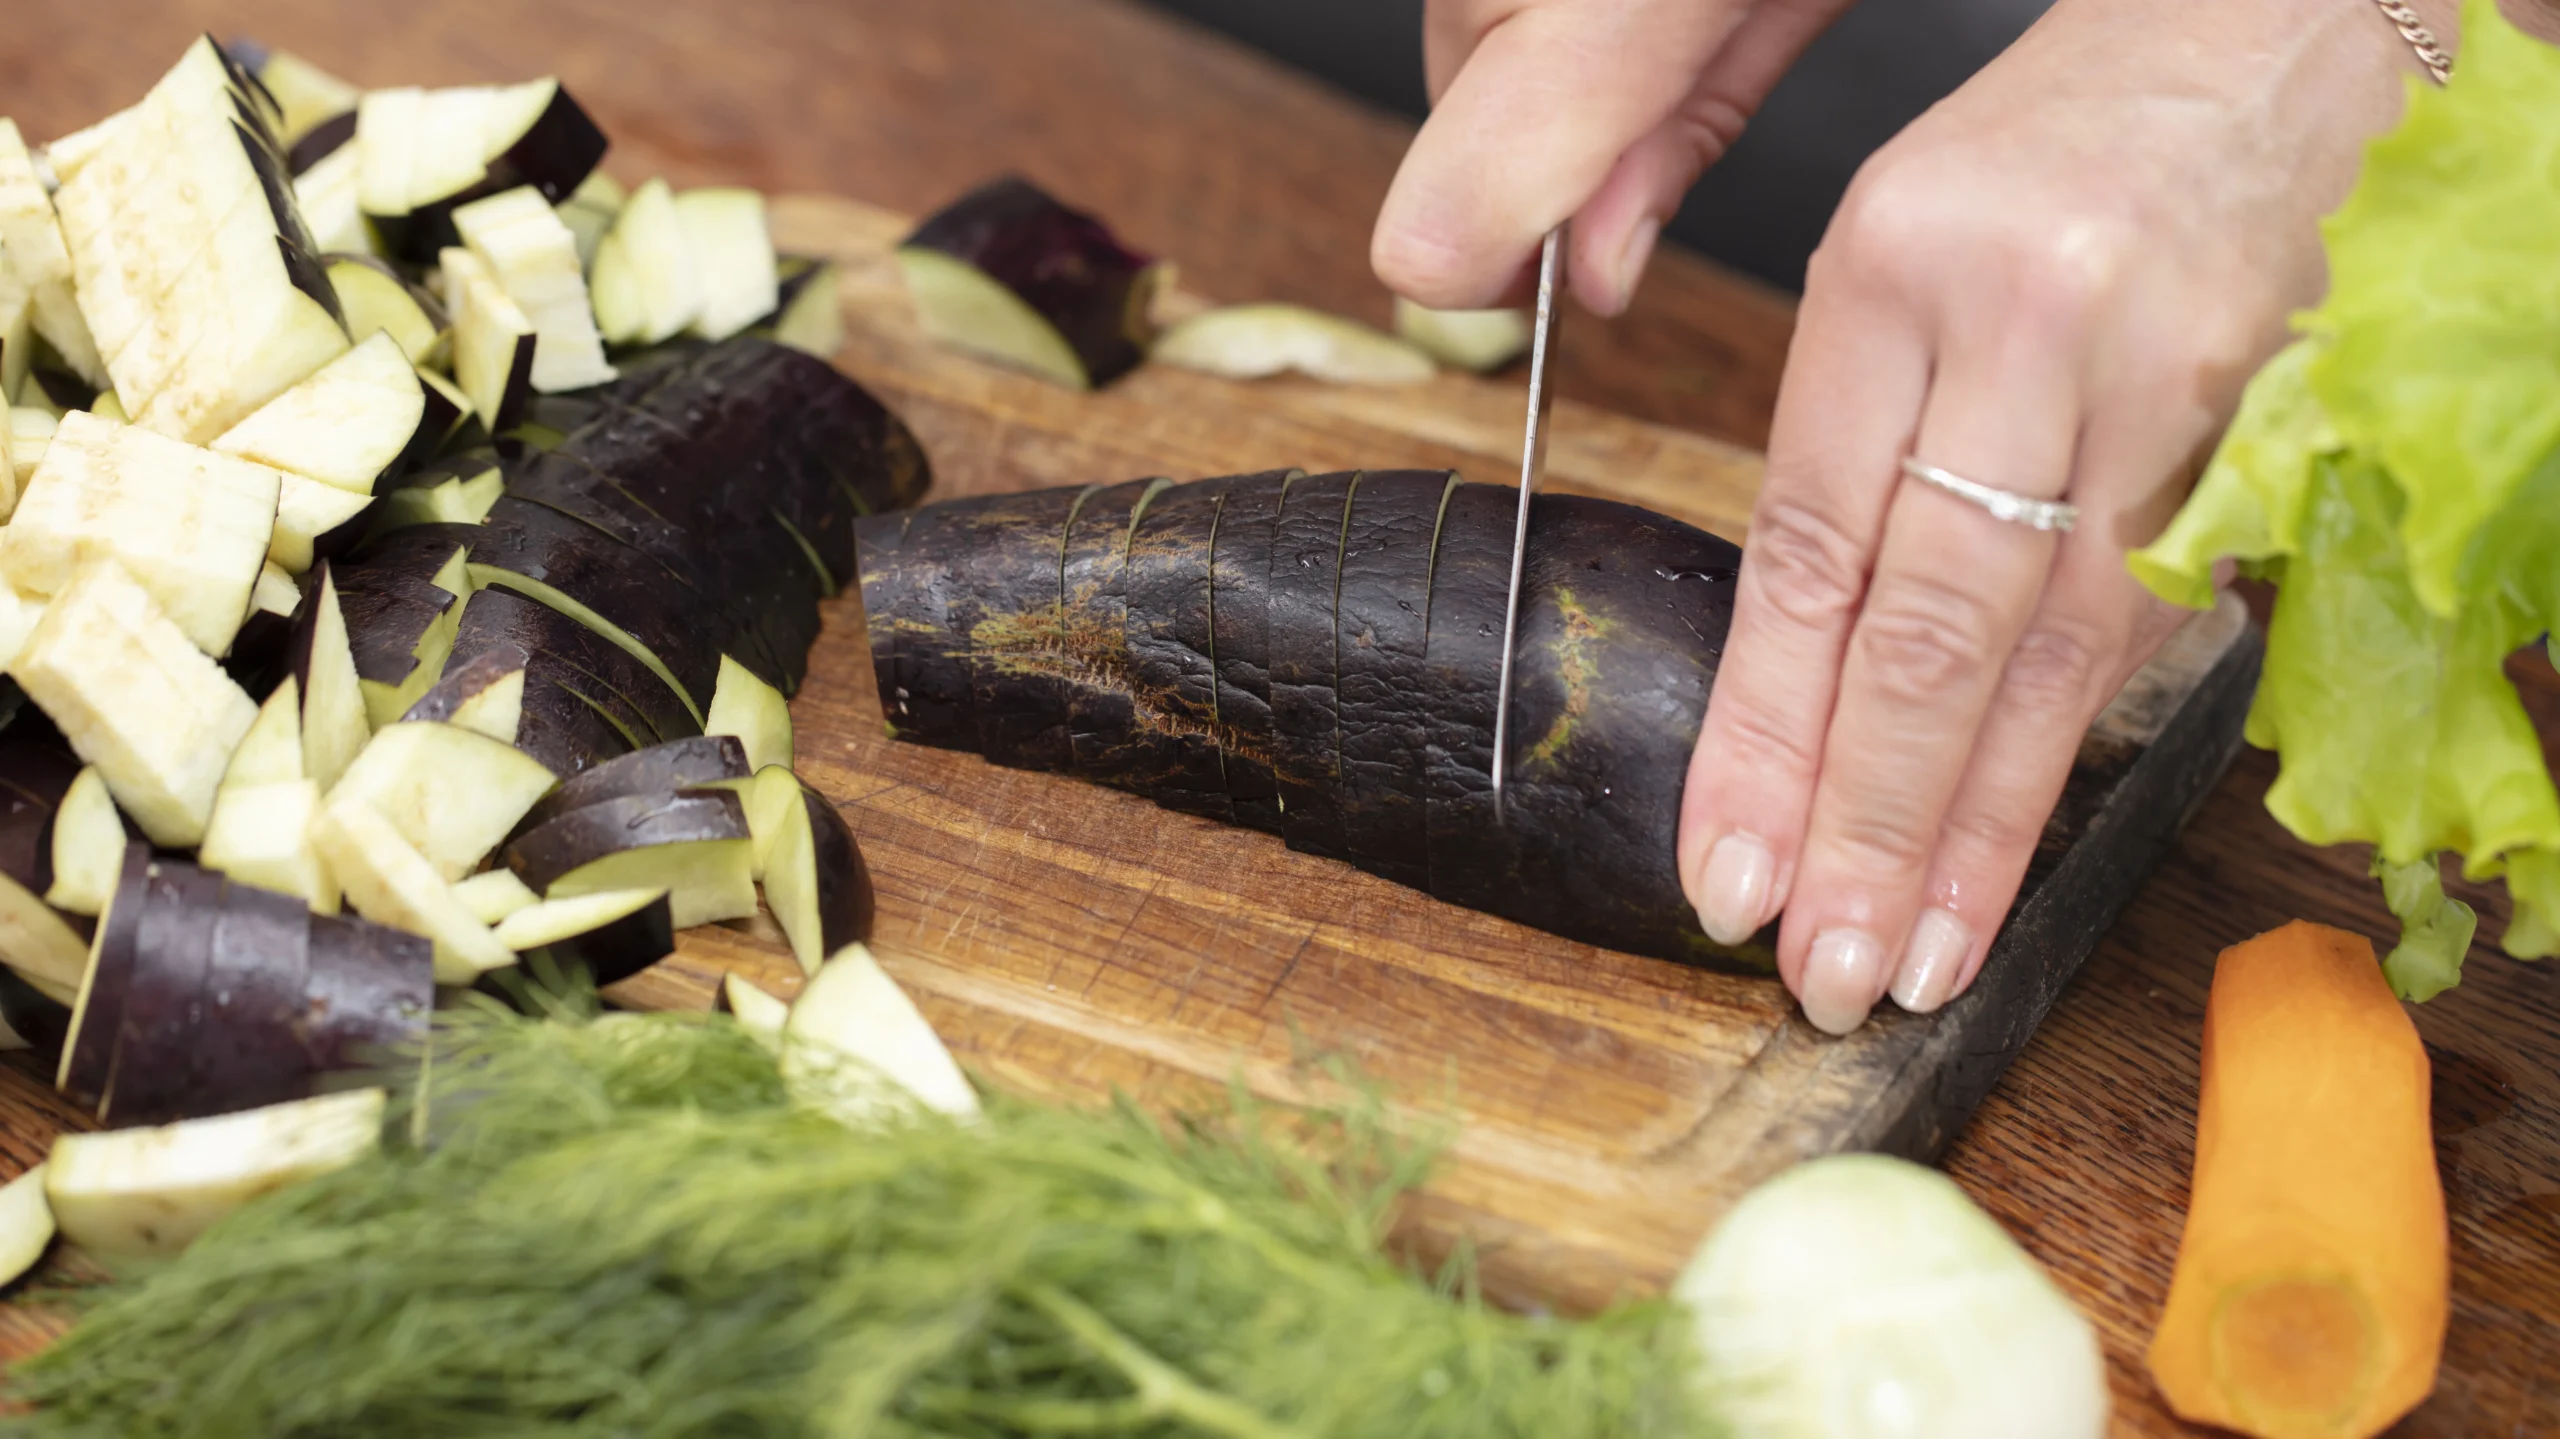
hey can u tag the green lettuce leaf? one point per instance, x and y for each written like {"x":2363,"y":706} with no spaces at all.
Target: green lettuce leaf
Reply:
{"x":2435,"y":929}
{"x":2248,"y":504}
{"x":2443,"y":314}
{"x":2533,"y":882}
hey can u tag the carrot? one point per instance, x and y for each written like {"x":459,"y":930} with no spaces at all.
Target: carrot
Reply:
{"x":2310,"y":1294}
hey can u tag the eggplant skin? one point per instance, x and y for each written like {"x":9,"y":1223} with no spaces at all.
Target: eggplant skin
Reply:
{"x":658,"y":770}
{"x":845,"y":903}
{"x":1065,"y":264}
{"x":1383,"y":633}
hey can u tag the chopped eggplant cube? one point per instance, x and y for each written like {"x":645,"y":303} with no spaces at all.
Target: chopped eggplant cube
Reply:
{"x":1009,"y":273}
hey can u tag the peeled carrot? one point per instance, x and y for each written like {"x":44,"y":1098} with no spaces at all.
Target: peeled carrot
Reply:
{"x":2310,"y":1295}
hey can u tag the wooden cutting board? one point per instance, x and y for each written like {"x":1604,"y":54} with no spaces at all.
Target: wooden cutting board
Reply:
{"x":1070,"y":940}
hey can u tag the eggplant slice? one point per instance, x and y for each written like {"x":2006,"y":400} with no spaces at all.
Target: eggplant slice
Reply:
{"x":1353,"y":654}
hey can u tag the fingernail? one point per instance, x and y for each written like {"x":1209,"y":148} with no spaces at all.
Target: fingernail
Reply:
{"x":1841,"y":976}
{"x":1939,"y":943}
{"x":1631,"y":262}
{"x":1733,"y":888}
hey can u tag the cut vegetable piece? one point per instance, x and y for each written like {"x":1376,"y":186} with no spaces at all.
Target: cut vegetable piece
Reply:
{"x":29,"y":234}
{"x":135,"y":698}
{"x":758,"y":1012}
{"x":816,"y":882}
{"x":590,"y":211}
{"x":1239,"y":612}
{"x":343,"y":426}
{"x":1858,"y":1294}
{"x":733,"y":259}
{"x":1009,"y":273}
{"x":770,"y":797}
{"x":97,"y":1010}
{"x":2310,"y":1297}
{"x":494,"y":894}
{"x":88,"y":846}
{"x":427,"y":152}
{"x":150,"y":1192}
{"x":521,"y":240}
{"x":294,"y":997}
{"x":259,"y":647}
{"x":694,"y":844}
{"x":1093,"y":611}
{"x":450,"y":793}
{"x":261,"y":834}
{"x":1462,"y":670}
{"x":377,"y":301}
{"x":852,"y":1029}
{"x":485,"y":697}
{"x":459,"y":500}
{"x":578,"y":708}
{"x":334,"y":724}
{"x":1174,"y":754}
{"x":164,"y":994}
{"x":39,"y":1018}
{"x":812,"y":316}
{"x":192,"y":527}
{"x":1385,"y":713}
{"x":620,"y":638}
{"x":494,"y":347}
{"x":31,"y":433}
{"x":18,"y":616}
{"x":403,"y":598}
{"x":1306,"y":564}
{"x":692,"y":763}
{"x":1249,"y":342}
{"x":1480,"y":340}
{"x":313,"y":522}
{"x":306,"y":96}
{"x":753,"y":711}
{"x":271,"y":752}
{"x":646,"y":286}
{"x":324,"y":188}
{"x":611,"y":934}
{"x":26,"y":1224}
{"x":389,"y":882}
{"x":36,"y":774}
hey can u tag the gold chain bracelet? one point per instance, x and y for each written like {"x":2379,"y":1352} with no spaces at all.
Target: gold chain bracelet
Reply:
{"x":2421,"y":39}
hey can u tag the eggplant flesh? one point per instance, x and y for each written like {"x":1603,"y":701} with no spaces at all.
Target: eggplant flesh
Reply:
{"x":1372,"y":622}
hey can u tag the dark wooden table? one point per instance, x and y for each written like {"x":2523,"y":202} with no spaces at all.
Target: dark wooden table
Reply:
{"x":1263,"y":185}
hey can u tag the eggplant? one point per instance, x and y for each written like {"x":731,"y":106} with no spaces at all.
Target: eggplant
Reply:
{"x":87,"y":845}
{"x":379,"y":300}
{"x":37,"y":773}
{"x":585,"y":700}
{"x":1240,"y":619}
{"x":321,"y":661}
{"x":1003,"y":628}
{"x":612,"y":934}
{"x":661,"y":769}
{"x":1009,"y":273}
{"x":755,"y":712}
{"x":694,"y":844}
{"x":426,"y":153}
{"x":1171,"y":653}
{"x":484,"y":695}
{"x":97,"y":1012}
{"x":1303,"y":582}
{"x":33,"y":1015}
{"x":320,"y":142}
{"x":1380,"y":603}
{"x":1093,"y":613}
{"x":451,"y":793}
{"x":816,"y":882}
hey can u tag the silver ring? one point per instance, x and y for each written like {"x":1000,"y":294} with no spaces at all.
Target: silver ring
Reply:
{"x":2007,"y":505}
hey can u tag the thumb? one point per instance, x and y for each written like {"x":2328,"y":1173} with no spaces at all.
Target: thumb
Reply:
{"x":1535,"y":120}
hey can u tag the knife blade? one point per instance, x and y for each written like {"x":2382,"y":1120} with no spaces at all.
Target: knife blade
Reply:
{"x":1533,"y":466}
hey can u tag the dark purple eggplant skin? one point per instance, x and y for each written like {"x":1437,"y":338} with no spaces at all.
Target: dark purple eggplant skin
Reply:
{"x":1383,"y":714}
{"x":555,"y":156}
{"x":90,"y":1066}
{"x":1239,"y":605}
{"x":1065,"y":264}
{"x":462,"y":683}
{"x":320,"y":142}
{"x":64,"y":389}
{"x":367,"y":996}
{"x":1166,"y":630}
{"x":1102,"y":707}
{"x":585,"y":835}
{"x":878,"y":541}
{"x":164,"y":1009}
{"x":609,"y":953}
{"x":845,"y":902}
{"x":658,"y":770}
{"x":924,"y":689}
{"x":1306,"y":759}
{"x":36,"y":769}
{"x":250,"y":1050}
{"x":586,"y":700}
{"x":34,"y":1016}
{"x":1462,"y":669}
{"x":1000,"y":618}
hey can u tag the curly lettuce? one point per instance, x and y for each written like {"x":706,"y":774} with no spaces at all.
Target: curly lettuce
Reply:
{"x":2396,"y":471}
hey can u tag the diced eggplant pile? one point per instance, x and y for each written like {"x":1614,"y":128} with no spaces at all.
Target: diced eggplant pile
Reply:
{"x":1318,"y":657}
{"x":409,"y":543}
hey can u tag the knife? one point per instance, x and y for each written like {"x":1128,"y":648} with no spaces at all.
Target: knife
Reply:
{"x":1533,"y":466}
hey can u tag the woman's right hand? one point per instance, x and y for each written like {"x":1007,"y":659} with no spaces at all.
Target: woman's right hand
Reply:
{"x":1600,"y":111}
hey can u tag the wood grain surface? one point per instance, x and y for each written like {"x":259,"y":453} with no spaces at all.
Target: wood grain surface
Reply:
{"x":1264,"y":185}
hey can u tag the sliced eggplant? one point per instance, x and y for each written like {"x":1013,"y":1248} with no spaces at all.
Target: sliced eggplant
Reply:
{"x":1385,"y":715}
{"x":307,"y":97}
{"x":271,"y":752}
{"x":692,"y":763}
{"x":428,"y":152}
{"x":19,"y":614}
{"x":732,"y":256}
{"x":147,"y":1193}
{"x":192,"y":527}
{"x":26,"y":1224}
{"x":852,"y":1029}
{"x":30,"y":435}
{"x":1009,"y":273}
{"x":36,"y":774}
{"x":88,"y":847}
{"x":1462,"y":669}
{"x":1251,"y":342}
{"x":484,"y":696}
{"x":522,"y":241}
{"x":403,"y":599}
{"x":97,"y":1011}
{"x":1306,"y":566}
{"x":378,"y":301}
{"x":39,"y":1020}
{"x":694,"y":844}
{"x":1172,"y":665}
{"x":1093,"y":612}
{"x":811,"y":319}
{"x":1239,"y":612}
{"x":325,"y":189}
{"x":815,"y":881}
{"x":149,"y":1079}
{"x":591,"y":210}
{"x":769,"y":796}
{"x":389,"y":882}
{"x":585,"y":700}
{"x":292,"y":998}
{"x":1479,"y":340}
{"x":450,"y":793}
{"x":136,"y":698}
{"x":462,"y":497}
{"x":612,"y":934}
{"x":494,"y":894}
{"x":258,"y":650}
{"x":647,"y":288}
{"x":334,"y":723}
{"x":493,"y":340}
{"x":261,"y":834}
{"x":1000,"y":681}
{"x":344,"y":425}
{"x":758,"y":1012}
{"x":754,"y":712}
{"x":314,"y":522}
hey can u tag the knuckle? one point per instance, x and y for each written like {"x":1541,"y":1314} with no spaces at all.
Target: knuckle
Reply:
{"x":1921,"y":639}
{"x":1994,"y":833}
{"x":1803,"y":567}
{"x":1711,"y":124}
{"x":1759,"y":739}
{"x":1881,"y":843}
{"x":2056,"y":667}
